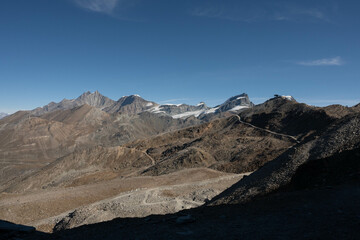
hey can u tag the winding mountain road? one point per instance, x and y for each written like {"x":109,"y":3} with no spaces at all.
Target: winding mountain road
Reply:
{"x":152,"y":159}
{"x":266,"y":130}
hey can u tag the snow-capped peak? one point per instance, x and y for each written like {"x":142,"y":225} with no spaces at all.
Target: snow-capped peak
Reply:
{"x":290,"y":98}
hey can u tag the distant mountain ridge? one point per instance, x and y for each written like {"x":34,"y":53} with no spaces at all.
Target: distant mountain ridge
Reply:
{"x":135,"y":104}
{"x":233,"y":104}
{"x":2,"y":115}
{"x":94,"y":99}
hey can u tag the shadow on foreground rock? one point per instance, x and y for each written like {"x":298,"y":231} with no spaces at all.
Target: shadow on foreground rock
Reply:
{"x":330,"y":212}
{"x":14,"y":231}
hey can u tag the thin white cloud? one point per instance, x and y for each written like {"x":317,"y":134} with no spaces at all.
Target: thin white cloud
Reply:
{"x":299,"y":14}
{"x":336,"y":61}
{"x":207,"y":12}
{"x":100,"y":6}
{"x":268,"y":12}
{"x":226,"y":13}
{"x":314,"y":13}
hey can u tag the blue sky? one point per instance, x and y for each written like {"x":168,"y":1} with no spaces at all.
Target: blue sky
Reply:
{"x":179,"y":51}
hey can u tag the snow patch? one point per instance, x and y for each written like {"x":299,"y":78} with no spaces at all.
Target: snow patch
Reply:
{"x":149,"y":104}
{"x":240,"y":98}
{"x":236,"y":108}
{"x":171,"y":104}
{"x":156,"y":109}
{"x":211,"y":110}
{"x":188,"y":114}
{"x":287,"y":97}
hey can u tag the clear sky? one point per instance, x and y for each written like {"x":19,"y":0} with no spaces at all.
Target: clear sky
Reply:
{"x":179,"y":51}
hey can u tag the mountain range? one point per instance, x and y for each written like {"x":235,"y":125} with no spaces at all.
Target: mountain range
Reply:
{"x":134,"y":104}
{"x":38,"y":137}
{"x":92,"y":159}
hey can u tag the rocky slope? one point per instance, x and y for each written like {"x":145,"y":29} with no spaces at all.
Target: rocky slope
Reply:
{"x":225,"y":145}
{"x":337,"y":149}
{"x":30,"y":143}
{"x":289,"y":117}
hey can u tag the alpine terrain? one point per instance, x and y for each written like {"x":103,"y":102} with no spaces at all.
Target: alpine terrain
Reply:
{"x":97,"y":168}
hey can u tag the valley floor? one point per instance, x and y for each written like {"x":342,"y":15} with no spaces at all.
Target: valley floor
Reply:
{"x":122,"y":197}
{"x":332,"y":212}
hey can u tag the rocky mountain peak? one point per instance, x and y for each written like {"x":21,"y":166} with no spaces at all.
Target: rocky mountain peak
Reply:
{"x":94,"y":99}
{"x":357,"y":107}
{"x":132,"y":104}
{"x":88,"y":94}
{"x":236,"y":103}
{"x":130,"y":99}
{"x":85,"y":94}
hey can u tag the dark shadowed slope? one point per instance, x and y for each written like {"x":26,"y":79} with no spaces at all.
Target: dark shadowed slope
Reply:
{"x":343,"y":135}
{"x":288,"y":117}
